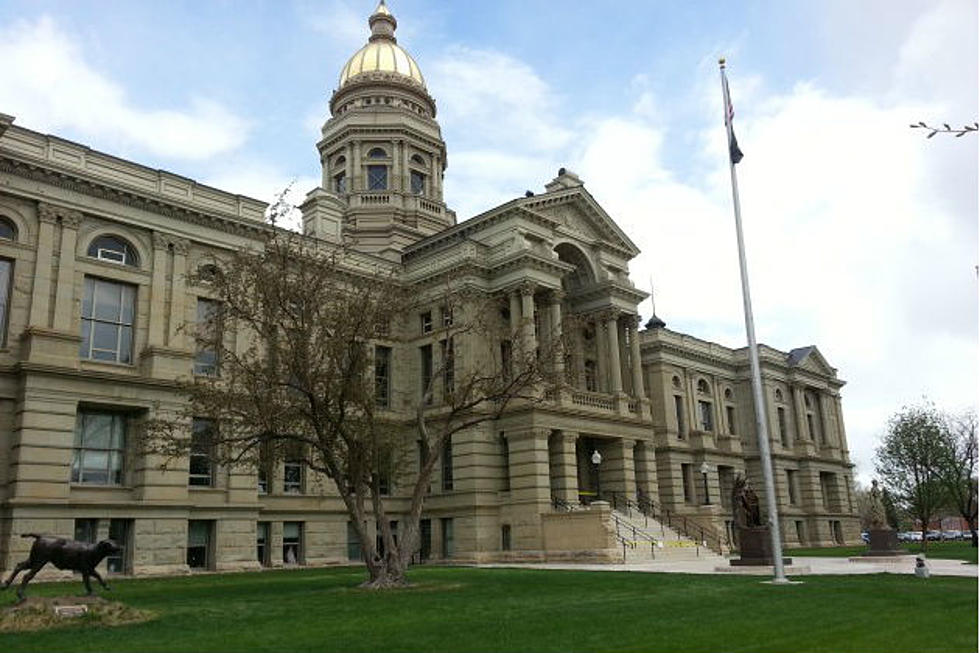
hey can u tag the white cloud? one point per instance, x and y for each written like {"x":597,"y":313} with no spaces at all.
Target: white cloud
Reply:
{"x":861,"y":235}
{"x":47,"y":80}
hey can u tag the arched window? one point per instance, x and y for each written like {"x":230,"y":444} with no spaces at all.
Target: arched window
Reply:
{"x":702,"y":387}
{"x":377,"y":153}
{"x":341,"y":160}
{"x":728,"y":394}
{"x":8,"y":230}
{"x":114,"y":250}
{"x":779,"y":395}
{"x":676,"y":382}
{"x":418,"y":160}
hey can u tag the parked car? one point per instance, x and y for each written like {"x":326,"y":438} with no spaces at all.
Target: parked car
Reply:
{"x":952,"y":535}
{"x":933,"y":536}
{"x":914,"y":536}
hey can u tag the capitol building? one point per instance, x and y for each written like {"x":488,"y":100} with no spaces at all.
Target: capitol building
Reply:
{"x":98,"y":257}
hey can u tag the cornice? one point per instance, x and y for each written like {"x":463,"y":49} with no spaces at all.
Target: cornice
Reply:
{"x":100,"y":189}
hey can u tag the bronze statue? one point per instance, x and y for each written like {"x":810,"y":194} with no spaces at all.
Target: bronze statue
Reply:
{"x":63,"y":554}
{"x":745,"y":505}
{"x":876,"y":508}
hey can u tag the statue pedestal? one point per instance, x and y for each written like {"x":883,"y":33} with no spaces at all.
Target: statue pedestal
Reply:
{"x":883,"y":542}
{"x":755,"y":548}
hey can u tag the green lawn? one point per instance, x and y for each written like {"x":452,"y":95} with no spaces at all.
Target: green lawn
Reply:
{"x":939,"y":550}
{"x":482,"y":610}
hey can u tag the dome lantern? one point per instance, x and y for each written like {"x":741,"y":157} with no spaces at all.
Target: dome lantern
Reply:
{"x":382,"y":54}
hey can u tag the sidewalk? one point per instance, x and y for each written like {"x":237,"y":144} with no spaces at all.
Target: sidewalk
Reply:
{"x":824,"y":566}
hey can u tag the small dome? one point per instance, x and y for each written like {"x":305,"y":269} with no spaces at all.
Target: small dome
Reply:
{"x":382,"y":53}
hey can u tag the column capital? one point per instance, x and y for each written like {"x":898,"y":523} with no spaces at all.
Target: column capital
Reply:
{"x":556,"y":295}
{"x":71,"y":219}
{"x":51,"y":213}
{"x":160,"y":240}
{"x":527,"y":288}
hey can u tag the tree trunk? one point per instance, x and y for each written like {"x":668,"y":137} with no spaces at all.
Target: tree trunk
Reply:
{"x":973,"y":537}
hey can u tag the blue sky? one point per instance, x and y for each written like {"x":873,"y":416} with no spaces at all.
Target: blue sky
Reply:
{"x":862,"y":235}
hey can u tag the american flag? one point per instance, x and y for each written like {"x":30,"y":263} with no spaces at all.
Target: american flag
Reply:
{"x":733,"y":151}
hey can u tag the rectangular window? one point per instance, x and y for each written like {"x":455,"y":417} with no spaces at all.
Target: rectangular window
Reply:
{"x":353,"y":543}
{"x":425,"y":535}
{"x":199,"y":535}
{"x":448,"y":352}
{"x":591,"y":377}
{"x":87,"y":530}
{"x":6,"y":277}
{"x":505,"y":457}
{"x":292,"y":537}
{"x":791,"y":486}
{"x":292,"y":477}
{"x":730,"y":416}
{"x":505,"y":537}
{"x":688,"y":480}
{"x":447,"y":316}
{"x":202,"y":451}
{"x":506,"y":360}
{"x":425,"y":354}
{"x":377,"y":177}
{"x":809,"y":426}
{"x":100,"y":448}
{"x":679,"y":413}
{"x":704,"y":408}
{"x":119,"y":532}
{"x":801,"y":532}
{"x":425,"y":322}
{"x":418,"y":182}
{"x":208,"y":334}
{"x":263,"y":533}
{"x":340,"y":182}
{"x":828,"y":488}
{"x":783,"y":434}
{"x":448,"y":539}
{"x":447,"y":464}
{"x":108,"y":310}
{"x":382,"y":376}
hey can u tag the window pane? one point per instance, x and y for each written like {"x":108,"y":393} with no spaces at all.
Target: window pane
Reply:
{"x":87,"y":297}
{"x":128,"y":303}
{"x":107,"y":300}
{"x":197,"y":533}
{"x":95,"y":465}
{"x":106,"y":337}
{"x":98,"y":430}
{"x":126,"y":344}
{"x":290,"y":530}
{"x":86,"y":348}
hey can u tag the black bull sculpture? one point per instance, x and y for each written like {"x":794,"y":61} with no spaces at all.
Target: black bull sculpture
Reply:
{"x":63,"y":554}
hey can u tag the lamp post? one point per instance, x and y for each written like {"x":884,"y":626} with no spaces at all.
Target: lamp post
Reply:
{"x":596,"y":459}
{"x":705,"y":468}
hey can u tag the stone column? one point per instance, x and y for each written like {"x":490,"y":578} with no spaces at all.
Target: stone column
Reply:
{"x":618,"y":474}
{"x":41,"y":292}
{"x":602,"y":356}
{"x":178,"y":295}
{"x":557,"y":346}
{"x":799,"y":408}
{"x":530,"y":486}
{"x":530,"y":343}
{"x":564,"y":466}
{"x":828,"y":422}
{"x":65,"y":288}
{"x":615,"y":369}
{"x":646,"y":470}
{"x":357,"y":180}
{"x":158,"y":291}
{"x":635,"y":363}
{"x":515,"y":329}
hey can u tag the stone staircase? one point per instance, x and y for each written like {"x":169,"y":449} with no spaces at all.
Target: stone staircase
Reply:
{"x":645,"y":539}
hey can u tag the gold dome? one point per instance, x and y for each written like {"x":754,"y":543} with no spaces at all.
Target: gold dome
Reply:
{"x":382,"y":53}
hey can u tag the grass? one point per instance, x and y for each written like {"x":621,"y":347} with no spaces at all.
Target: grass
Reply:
{"x":939,"y":550}
{"x":481,"y":610}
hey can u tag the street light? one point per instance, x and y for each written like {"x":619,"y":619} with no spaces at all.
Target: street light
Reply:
{"x":705,"y":468}
{"x":596,"y":459}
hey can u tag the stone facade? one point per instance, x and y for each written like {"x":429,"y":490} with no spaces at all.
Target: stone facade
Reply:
{"x":95,"y":254}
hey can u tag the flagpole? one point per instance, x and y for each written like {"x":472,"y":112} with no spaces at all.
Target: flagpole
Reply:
{"x":762,"y":430}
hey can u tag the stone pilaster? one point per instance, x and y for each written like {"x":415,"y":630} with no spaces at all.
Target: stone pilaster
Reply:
{"x":178,"y":295}
{"x":564,"y":466}
{"x":615,"y":366}
{"x":65,"y":288}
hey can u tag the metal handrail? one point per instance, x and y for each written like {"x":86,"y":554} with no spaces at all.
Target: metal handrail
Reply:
{"x":679,"y":523}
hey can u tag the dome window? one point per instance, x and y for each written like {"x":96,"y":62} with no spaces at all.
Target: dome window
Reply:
{"x":341,"y":160}
{"x":418,"y":160}
{"x":8,"y":230}
{"x":377,"y":153}
{"x":114,"y":250}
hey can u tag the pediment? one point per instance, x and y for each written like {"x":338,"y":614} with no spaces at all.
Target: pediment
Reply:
{"x":811,"y":360}
{"x":576,"y":213}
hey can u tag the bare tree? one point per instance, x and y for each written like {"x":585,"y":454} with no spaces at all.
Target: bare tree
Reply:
{"x":296,"y":343}
{"x":959,"y":467}
{"x":909,"y":461}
